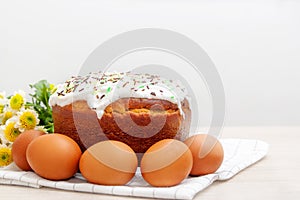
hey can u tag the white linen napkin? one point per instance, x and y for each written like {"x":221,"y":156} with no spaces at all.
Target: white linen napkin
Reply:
{"x":238,"y":154}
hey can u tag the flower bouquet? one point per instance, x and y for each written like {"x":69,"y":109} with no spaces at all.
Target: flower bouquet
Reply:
{"x":18,"y":115}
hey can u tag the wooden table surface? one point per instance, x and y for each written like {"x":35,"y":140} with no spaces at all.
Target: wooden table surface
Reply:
{"x":275,"y":177}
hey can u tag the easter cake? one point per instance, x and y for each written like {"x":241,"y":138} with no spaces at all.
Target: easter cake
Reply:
{"x":137,"y":109}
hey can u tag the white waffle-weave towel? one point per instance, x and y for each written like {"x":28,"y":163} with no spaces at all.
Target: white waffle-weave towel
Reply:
{"x":239,"y":154}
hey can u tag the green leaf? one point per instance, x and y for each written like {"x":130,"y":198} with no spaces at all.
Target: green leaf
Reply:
{"x":40,"y":98}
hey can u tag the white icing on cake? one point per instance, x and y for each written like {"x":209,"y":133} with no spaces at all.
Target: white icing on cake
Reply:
{"x":101,"y":89}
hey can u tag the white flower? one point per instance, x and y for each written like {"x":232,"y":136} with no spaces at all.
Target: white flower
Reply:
{"x":3,"y":103}
{"x":40,"y":128}
{"x":18,"y":100}
{"x":13,"y":119}
{"x":10,"y":129}
{"x":3,"y":141}
{"x":27,"y":119}
{"x":7,"y":114}
{"x":3,"y":95}
{"x":21,"y":92}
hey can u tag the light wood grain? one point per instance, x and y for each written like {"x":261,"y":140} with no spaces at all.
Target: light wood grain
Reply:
{"x":275,"y":177}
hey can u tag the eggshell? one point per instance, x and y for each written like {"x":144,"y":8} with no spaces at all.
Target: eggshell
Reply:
{"x":207,"y":153}
{"x":166,"y":163}
{"x":108,"y":163}
{"x":54,"y":156}
{"x":20,"y":145}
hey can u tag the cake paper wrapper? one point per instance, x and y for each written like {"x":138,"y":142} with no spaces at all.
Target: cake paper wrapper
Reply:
{"x":238,"y":155}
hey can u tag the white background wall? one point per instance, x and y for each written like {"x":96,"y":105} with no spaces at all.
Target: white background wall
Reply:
{"x":255,"y":45}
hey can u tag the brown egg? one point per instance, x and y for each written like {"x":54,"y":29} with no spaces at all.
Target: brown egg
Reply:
{"x":108,"y":163}
{"x":207,"y":153}
{"x":20,"y":145}
{"x":166,"y":163}
{"x":53,"y":156}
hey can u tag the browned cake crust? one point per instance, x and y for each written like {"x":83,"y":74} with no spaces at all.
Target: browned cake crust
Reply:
{"x":133,"y":121}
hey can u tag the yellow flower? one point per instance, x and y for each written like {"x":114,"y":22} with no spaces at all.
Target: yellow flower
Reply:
{"x":17,"y":101}
{"x":28,"y":120}
{"x":7,"y":115}
{"x":52,"y":88}
{"x":1,"y":108}
{"x":5,"y":156}
{"x":2,"y":95}
{"x":10,"y":132}
{"x":3,"y":102}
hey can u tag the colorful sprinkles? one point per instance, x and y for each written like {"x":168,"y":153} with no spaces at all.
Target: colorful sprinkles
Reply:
{"x":145,"y":85}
